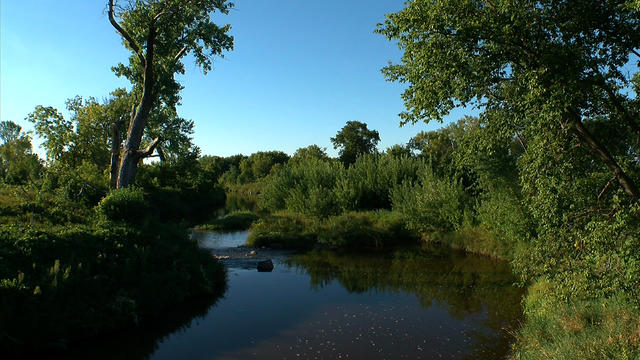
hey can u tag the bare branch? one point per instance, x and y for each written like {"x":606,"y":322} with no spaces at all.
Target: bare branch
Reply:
{"x":125,"y":34}
{"x":635,"y":53}
{"x":149,"y":150}
{"x":155,"y":18}
{"x":180,"y":53}
{"x":606,"y":187}
{"x":521,"y":141}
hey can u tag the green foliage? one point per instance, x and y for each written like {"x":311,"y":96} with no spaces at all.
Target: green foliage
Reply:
{"x":85,"y":135}
{"x":9,"y":131}
{"x":61,"y":283}
{"x":182,"y":28}
{"x":432,"y":204}
{"x":86,"y":184}
{"x":353,"y":140}
{"x":607,"y":328}
{"x":216,"y":166}
{"x":125,"y":205}
{"x":284,"y":229}
{"x":368,"y":183}
{"x":372,"y":229}
{"x":399,"y":151}
{"x":237,"y":220}
{"x":323,"y":188}
{"x":553,"y":155}
{"x":359,"y":230}
{"x":304,"y":186}
{"x":18,"y":164}
{"x":259,"y":165}
{"x":310,"y":152}
{"x":507,"y":219}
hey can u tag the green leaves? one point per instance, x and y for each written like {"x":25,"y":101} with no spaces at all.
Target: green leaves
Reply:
{"x":353,"y":140}
{"x":183,"y":28}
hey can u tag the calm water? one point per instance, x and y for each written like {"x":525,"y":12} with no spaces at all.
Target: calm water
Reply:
{"x":411,"y":304}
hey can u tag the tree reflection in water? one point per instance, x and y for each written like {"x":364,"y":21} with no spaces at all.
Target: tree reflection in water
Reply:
{"x":463,"y":285}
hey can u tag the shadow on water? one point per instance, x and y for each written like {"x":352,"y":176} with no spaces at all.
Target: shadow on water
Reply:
{"x":142,"y":342}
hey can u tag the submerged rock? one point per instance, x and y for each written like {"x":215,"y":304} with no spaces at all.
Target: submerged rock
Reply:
{"x":265,"y":266}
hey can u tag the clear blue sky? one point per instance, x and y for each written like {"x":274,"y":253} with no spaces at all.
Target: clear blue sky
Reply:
{"x":299,"y":71}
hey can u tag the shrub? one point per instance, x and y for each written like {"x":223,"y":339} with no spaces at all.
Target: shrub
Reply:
{"x":365,"y":229}
{"x":304,"y":186}
{"x":238,"y":220}
{"x":284,"y":229}
{"x":62,"y":283}
{"x":126,"y":205}
{"x":435,"y":204}
{"x":368,"y":183}
{"x":503,"y":214}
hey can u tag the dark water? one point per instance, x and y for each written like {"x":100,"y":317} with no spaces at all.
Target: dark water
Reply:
{"x":403,"y":304}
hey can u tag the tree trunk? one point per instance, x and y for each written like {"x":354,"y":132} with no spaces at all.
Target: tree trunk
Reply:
{"x":132,"y":154}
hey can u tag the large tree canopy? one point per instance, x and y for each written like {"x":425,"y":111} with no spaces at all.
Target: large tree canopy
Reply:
{"x":558,"y":68}
{"x":159,"y":34}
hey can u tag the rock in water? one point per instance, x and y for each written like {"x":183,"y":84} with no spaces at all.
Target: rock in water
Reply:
{"x":265,"y":266}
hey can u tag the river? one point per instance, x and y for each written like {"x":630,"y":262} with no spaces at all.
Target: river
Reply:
{"x":410,"y":303}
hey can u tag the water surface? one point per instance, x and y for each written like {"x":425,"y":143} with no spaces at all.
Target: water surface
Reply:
{"x":415,"y":303}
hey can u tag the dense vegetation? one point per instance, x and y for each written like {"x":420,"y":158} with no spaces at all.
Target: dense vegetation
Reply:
{"x":75,"y":263}
{"x":545,"y":177}
{"x":77,"y":258}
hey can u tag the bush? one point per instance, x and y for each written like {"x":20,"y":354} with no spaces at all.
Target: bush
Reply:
{"x":366,"y":229}
{"x":238,"y":220}
{"x":127,"y":205}
{"x":368,"y":183}
{"x":64,"y":283}
{"x":504,"y":215}
{"x":284,"y":229}
{"x":349,"y":230}
{"x":435,"y":204}
{"x":304,"y":186}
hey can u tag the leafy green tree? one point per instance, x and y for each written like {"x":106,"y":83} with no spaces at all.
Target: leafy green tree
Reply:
{"x":159,"y":34}
{"x":353,"y":140}
{"x":260,"y":164}
{"x":84,"y":136}
{"x":215,"y":166}
{"x":552,"y":67}
{"x":9,"y":131}
{"x":18,"y":164}
{"x":310,"y":152}
{"x":398,"y":150}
